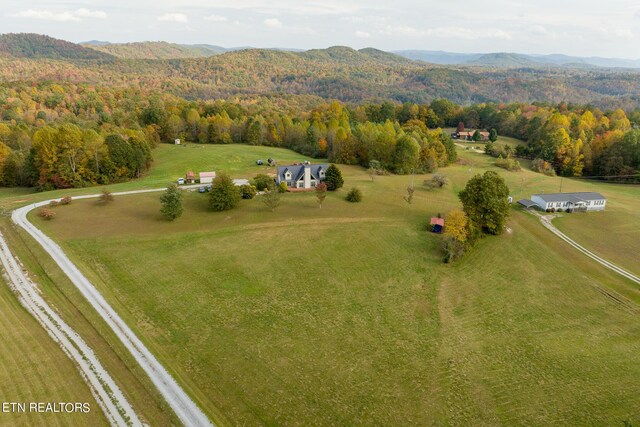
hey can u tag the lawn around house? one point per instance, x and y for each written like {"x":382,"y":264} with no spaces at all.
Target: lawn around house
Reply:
{"x":346,"y":314}
{"x":501,"y":141}
{"x":239,"y":161}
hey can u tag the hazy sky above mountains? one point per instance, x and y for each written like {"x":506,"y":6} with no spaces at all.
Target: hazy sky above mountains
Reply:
{"x":587,"y":28}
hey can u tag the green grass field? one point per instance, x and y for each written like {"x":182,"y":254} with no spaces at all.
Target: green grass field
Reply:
{"x":345,"y":315}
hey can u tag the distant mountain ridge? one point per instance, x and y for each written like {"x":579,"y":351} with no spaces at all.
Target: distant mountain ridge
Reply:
{"x":337,"y":72}
{"x":165,"y":50}
{"x":155,"y":50}
{"x":510,"y":60}
{"x":29,"y":45}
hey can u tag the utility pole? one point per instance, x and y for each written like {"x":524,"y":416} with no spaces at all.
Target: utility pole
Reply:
{"x":561,"y":178}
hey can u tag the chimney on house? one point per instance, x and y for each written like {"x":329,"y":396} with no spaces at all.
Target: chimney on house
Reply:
{"x":307,"y":175}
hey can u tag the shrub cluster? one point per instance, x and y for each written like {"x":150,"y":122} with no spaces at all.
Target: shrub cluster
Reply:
{"x":47,"y":214}
{"x":436,"y":181}
{"x":542,"y":166}
{"x":262,"y":181}
{"x":248,"y":191}
{"x":354,"y":196}
{"x":106,"y":196}
{"x":508,"y":163}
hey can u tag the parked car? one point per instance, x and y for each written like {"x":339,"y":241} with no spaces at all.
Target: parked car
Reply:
{"x":180,"y":181}
{"x":208,"y":187}
{"x":202,"y":190}
{"x":259,"y":162}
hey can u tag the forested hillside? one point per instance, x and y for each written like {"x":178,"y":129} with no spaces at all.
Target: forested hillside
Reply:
{"x":39,"y":46}
{"x":82,"y":122}
{"x":156,"y":50}
{"x":63,"y":134}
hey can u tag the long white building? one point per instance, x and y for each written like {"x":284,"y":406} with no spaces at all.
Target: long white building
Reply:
{"x":575,"y":201}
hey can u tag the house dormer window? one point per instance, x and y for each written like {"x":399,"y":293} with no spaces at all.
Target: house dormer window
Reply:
{"x":287,"y":175}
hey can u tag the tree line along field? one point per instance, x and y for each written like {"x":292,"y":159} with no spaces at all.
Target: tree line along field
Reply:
{"x":346,"y":314}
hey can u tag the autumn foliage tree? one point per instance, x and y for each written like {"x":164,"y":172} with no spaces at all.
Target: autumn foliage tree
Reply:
{"x":321,"y":193}
{"x":456,"y":226}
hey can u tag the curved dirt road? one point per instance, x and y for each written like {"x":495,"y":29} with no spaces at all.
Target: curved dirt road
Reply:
{"x":185,"y":408}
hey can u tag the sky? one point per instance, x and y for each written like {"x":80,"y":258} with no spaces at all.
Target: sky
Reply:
{"x":586,"y":28}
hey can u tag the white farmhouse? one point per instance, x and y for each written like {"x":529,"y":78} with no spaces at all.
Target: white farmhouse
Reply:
{"x":588,"y":201}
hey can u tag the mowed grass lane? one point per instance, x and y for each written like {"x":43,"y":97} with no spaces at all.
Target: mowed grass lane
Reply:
{"x":33,"y":368}
{"x":345,"y":314}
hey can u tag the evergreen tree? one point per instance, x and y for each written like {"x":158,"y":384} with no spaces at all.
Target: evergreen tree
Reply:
{"x":171,"y":202}
{"x":224,"y":195}
{"x":333,"y":178}
{"x":493,"y":135}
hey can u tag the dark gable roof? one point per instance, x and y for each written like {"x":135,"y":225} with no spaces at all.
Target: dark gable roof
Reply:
{"x":570,"y":197}
{"x":297,"y":171}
